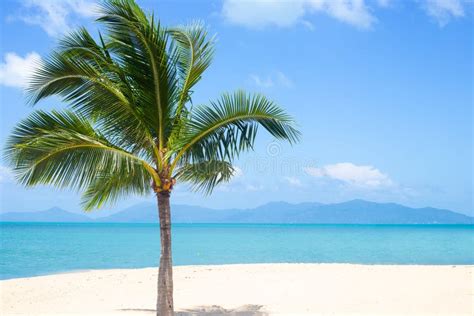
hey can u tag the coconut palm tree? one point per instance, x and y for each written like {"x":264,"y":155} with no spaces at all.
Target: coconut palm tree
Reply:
{"x":130,"y":127}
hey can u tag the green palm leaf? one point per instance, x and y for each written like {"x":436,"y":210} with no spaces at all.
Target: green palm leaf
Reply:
{"x":91,"y":83}
{"x":205,"y":176}
{"x":195,"y":52}
{"x":227,"y":127}
{"x":63,"y":149}
{"x":140,"y":45}
{"x":107,"y":188}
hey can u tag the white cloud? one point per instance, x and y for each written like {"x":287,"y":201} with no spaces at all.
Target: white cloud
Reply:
{"x":275,"y":79}
{"x":239,"y":182}
{"x":262,"y":13}
{"x":354,"y":175}
{"x":239,"y":187}
{"x":383,"y":3}
{"x":354,"y":12}
{"x":258,"y":14}
{"x":444,"y":10}
{"x":6,"y":174}
{"x":237,"y":172}
{"x":254,"y":187}
{"x":293,"y":181}
{"x":56,"y":16}
{"x":266,"y":82}
{"x":16,"y":70}
{"x":283,"y":80}
{"x":308,"y":25}
{"x":359,"y":13}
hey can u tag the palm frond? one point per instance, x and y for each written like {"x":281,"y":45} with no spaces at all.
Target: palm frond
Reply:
{"x":195,"y":52}
{"x":141,"y":46}
{"x":205,"y":176}
{"x":227,"y":127}
{"x":91,"y":83}
{"x":107,"y":188}
{"x":63,"y":149}
{"x":80,"y":43}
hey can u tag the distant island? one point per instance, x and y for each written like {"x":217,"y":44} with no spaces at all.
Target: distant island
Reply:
{"x":350,"y":212}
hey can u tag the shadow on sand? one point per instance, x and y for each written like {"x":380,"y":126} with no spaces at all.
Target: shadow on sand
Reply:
{"x":214,"y":310}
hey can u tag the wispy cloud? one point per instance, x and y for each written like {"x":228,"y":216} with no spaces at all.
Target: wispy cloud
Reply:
{"x":384,"y":3}
{"x":239,"y":187}
{"x":359,"y":13}
{"x":239,"y":183}
{"x":55,"y":17}
{"x":254,"y":187}
{"x":262,"y":82}
{"x":16,"y":70}
{"x":353,"y":175}
{"x":6,"y":174}
{"x":444,"y":10}
{"x":237,"y":172}
{"x":294,"y":181}
{"x":277,"y":78}
{"x":262,"y":13}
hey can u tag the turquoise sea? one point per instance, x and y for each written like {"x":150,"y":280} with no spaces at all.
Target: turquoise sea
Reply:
{"x":30,"y":249}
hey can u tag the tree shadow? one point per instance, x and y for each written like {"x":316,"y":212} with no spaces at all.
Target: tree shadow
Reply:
{"x":215,"y":310}
{"x":212,"y":310}
{"x":138,"y":310}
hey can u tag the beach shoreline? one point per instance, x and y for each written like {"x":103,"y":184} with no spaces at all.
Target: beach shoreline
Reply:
{"x":250,"y":289}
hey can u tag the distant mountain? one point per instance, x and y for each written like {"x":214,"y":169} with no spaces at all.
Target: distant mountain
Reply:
{"x":54,"y":214}
{"x":351,"y":212}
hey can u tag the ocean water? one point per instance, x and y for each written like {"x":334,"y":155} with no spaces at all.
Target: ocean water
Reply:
{"x":30,"y":249}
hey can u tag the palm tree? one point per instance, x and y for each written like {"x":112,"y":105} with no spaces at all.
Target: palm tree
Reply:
{"x":131,"y":127}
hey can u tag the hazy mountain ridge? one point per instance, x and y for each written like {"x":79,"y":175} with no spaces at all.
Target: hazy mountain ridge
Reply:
{"x":54,"y":214}
{"x":350,"y":212}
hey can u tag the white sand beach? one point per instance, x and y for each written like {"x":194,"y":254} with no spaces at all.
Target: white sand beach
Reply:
{"x":252,"y":289}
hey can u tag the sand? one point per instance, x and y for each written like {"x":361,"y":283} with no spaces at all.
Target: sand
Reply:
{"x":253,"y":289}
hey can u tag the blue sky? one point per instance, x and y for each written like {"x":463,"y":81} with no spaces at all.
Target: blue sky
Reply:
{"x":382,"y":92}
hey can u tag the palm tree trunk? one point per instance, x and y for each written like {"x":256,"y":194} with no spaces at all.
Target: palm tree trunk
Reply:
{"x":164,"y":306}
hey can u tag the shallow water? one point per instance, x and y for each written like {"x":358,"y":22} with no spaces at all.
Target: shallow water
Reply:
{"x":29,"y":249}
